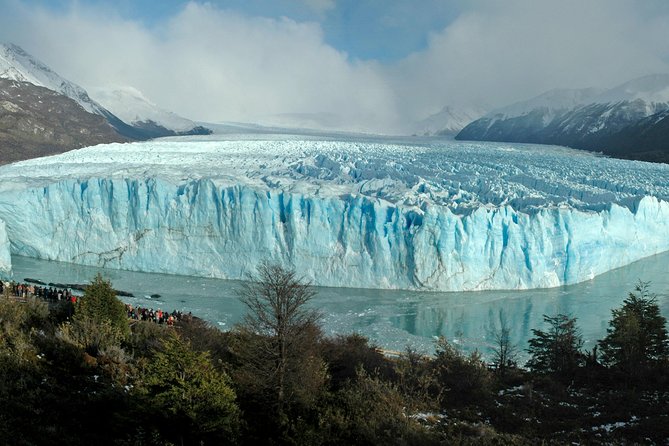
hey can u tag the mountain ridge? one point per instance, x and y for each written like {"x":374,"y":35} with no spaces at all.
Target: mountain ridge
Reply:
{"x":586,"y":119}
{"x":17,"y":64}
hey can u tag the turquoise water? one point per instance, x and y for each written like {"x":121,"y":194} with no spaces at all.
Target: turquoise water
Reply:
{"x":391,"y":319}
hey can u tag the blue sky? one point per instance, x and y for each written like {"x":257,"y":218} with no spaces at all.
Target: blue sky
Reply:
{"x":368,"y":65}
{"x":384,"y":30}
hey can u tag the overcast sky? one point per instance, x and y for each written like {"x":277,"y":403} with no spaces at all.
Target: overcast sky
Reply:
{"x":369,"y":65}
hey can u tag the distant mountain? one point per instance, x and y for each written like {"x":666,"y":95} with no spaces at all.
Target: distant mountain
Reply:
{"x":448,"y":122}
{"x":133,"y":107}
{"x":590,"y":119}
{"x":16,"y":64}
{"x":36,"y":121}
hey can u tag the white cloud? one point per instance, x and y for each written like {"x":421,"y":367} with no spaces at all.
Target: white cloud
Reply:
{"x":495,"y":55}
{"x":213,"y":64}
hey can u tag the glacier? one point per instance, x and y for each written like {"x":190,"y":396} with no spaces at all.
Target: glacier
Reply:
{"x":367,"y":213}
{"x":5,"y":252}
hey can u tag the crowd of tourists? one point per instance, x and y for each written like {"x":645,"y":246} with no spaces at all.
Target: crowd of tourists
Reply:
{"x":54,"y":294}
{"x":24,"y":290}
{"x":158,"y":316}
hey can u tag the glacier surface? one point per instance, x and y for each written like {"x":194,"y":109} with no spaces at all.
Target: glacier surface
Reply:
{"x":361,"y":213}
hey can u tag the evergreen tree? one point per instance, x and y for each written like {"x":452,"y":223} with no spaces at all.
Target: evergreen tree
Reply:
{"x":557,"y":350}
{"x":100,"y":318}
{"x":193,"y":400}
{"x":636,"y":340}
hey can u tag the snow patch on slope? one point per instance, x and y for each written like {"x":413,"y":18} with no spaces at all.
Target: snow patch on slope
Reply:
{"x":133,"y":107}
{"x":552,"y":102}
{"x":652,"y":89}
{"x":18,"y":65}
{"x":448,"y":121}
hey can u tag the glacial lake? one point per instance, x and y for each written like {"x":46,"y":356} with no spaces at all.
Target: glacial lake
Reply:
{"x":391,"y":319}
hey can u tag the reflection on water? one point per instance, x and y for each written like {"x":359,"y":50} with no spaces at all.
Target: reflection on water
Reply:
{"x":391,"y":319}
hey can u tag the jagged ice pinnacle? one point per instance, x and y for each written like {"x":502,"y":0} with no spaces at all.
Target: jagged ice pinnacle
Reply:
{"x":437,"y":216}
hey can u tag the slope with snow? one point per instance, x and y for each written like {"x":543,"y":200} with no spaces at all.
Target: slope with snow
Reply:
{"x":442,"y":216}
{"x":133,"y":107}
{"x":16,"y":64}
{"x":447,"y":122}
{"x":585,"y":119}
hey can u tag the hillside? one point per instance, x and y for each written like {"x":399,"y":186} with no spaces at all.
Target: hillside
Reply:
{"x":624,"y":122}
{"x":36,"y":121}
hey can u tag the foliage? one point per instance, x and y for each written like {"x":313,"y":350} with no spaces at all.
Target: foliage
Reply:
{"x":417,"y":380}
{"x":278,"y":342}
{"x":100,"y":319}
{"x":504,"y":351}
{"x":18,"y":322}
{"x":636,"y":340}
{"x":558,"y":350}
{"x":345,"y":354}
{"x":463,"y":379}
{"x":160,"y":388}
{"x":184,"y":387}
{"x":145,"y":338}
{"x":369,"y":411}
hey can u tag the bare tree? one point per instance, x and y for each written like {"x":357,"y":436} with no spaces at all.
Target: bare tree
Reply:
{"x":504,"y":352}
{"x":279,"y":335}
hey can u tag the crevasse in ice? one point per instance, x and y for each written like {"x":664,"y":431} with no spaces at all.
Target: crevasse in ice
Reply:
{"x":438,"y":215}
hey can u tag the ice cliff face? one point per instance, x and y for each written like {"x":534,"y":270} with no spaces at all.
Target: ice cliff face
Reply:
{"x":443,"y":216}
{"x":5,"y":253}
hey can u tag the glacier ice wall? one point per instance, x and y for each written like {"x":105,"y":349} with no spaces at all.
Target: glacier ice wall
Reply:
{"x":5,"y":252}
{"x":337,"y":225}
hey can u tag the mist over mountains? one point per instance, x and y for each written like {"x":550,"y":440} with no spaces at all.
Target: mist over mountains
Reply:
{"x":630,"y":120}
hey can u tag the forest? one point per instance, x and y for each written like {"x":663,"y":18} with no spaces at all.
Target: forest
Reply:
{"x":81,"y":373}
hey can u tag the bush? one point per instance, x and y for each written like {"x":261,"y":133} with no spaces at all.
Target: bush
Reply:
{"x":345,"y":354}
{"x":369,"y":411}
{"x":463,"y":379}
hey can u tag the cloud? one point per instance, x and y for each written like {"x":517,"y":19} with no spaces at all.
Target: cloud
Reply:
{"x":213,"y":64}
{"x":495,"y":55}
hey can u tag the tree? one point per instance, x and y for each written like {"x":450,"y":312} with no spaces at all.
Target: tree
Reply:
{"x":463,"y":379}
{"x":504,"y":352}
{"x":636,"y":340}
{"x":279,"y":335}
{"x":100,"y":319}
{"x":194,"y":399}
{"x":557,"y":350}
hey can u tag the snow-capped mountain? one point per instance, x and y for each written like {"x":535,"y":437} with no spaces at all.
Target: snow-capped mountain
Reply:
{"x":652,"y":89}
{"x":16,"y":64}
{"x":588,"y":119}
{"x":133,"y":107}
{"x":447,"y":122}
{"x":36,"y":121}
